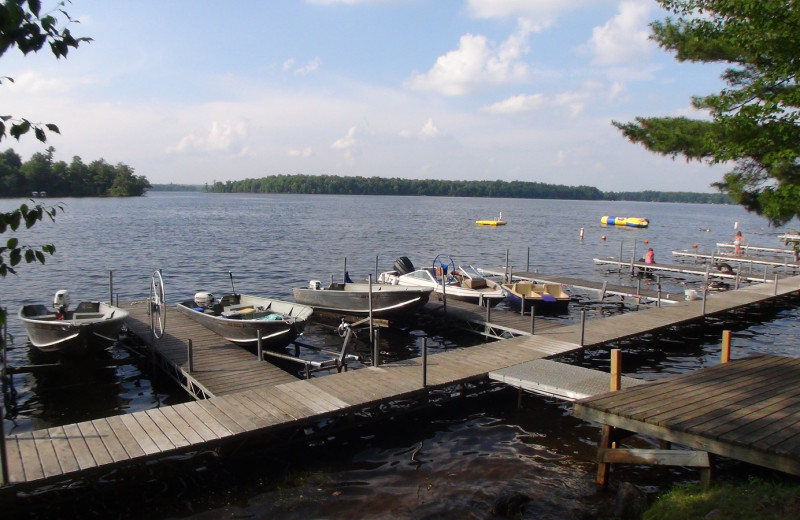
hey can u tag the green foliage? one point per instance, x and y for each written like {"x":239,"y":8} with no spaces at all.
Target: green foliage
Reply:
{"x":754,"y":121}
{"x":334,"y":185}
{"x":755,"y":500}
{"x":29,"y":30}
{"x":13,"y":252}
{"x":59,"y":179}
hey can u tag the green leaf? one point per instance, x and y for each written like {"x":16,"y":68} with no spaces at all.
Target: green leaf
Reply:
{"x":12,"y":243}
{"x":14,"y":257}
{"x":40,"y":257}
{"x":40,"y":135}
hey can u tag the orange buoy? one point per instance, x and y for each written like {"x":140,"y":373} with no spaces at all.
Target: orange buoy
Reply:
{"x":694,"y":246}
{"x":603,"y":237}
{"x":646,"y":241}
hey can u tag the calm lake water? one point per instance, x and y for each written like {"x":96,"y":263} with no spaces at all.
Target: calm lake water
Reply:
{"x":453,"y":460}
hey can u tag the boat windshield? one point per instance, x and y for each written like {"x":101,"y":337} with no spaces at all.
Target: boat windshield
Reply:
{"x":470,"y":272}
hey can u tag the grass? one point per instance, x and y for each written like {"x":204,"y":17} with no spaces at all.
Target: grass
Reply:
{"x":756,"y":499}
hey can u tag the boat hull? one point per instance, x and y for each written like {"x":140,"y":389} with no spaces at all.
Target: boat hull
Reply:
{"x":241,"y":323}
{"x":637,"y":222}
{"x":544,"y":298}
{"x":388,"y":301}
{"x":96,"y":328}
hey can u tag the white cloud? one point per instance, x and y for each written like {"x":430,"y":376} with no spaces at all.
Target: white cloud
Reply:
{"x":515,"y":104}
{"x":575,"y":101}
{"x":429,"y":130}
{"x":221,"y":137}
{"x":308,"y":68}
{"x":476,"y":64}
{"x":346,"y":142}
{"x":544,"y":12}
{"x":36,"y":83}
{"x":305,"y":152}
{"x":624,"y":38}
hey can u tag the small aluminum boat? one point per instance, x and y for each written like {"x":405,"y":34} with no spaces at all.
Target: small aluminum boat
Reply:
{"x":91,"y":326}
{"x":544,"y":297}
{"x":240,"y":317}
{"x":352,"y":299}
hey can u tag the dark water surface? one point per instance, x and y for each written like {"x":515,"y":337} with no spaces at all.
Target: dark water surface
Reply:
{"x":451,"y":460}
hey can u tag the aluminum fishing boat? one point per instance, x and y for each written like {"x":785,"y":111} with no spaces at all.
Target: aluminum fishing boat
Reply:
{"x":91,"y":326}
{"x":240,"y":317}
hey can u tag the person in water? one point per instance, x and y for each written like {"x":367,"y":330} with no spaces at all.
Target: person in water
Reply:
{"x":737,"y":244}
{"x":650,"y":256}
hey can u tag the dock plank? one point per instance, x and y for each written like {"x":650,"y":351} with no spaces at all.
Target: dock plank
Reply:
{"x":47,"y":453}
{"x":66,"y":458}
{"x":31,"y":464}
{"x":124,"y":436}
{"x":83,"y":455}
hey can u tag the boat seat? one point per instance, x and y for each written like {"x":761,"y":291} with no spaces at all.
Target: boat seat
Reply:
{"x":523,"y":288}
{"x":87,"y":315}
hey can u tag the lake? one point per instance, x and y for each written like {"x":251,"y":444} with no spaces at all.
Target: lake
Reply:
{"x":451,"y":460}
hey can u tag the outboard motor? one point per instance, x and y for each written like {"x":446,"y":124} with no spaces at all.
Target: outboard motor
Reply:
{"x":61,"y":301}
{"x":204,"y":300}
{"x":403,"y":265}
{"x":315,"y":285}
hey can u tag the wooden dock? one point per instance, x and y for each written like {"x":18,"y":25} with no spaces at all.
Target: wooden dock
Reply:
{"x":58,"y":453}
{"x":707,"y":271}
{"x":219,"y":367}
{"x":733,"y":260}
{"x":255,"y":409}
{"x":748,"y":410}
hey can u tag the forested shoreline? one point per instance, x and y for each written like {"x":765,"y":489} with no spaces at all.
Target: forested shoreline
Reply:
{"x":42,"y":174}
{"x":335,"y":185}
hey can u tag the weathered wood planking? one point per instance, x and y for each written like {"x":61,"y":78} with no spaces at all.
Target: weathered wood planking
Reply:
{"x":268,"y":408}
{"x":219,"y":367}
{"x":747,"y":409}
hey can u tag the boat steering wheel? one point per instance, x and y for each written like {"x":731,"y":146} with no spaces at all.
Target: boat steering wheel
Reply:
{"x":158,"y":306}
{"x":446,"y":264}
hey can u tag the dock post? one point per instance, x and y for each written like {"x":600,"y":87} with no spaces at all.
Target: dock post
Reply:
{"x":377,"y":357}
{"x":583,"y":325}
{"x":765,"y":273}
{"x":488,"y":316}
{"x":616,"y":365}
{"x":603,"y":290}
{"x":528,"y":260}
{"x":190,"y":356}
{"x":110,"y":287}
{"x":344,"y":272}
{"x":370,"y":308}
{"x":3,"y":461}
{"x":533,"y":319}
{"x":775,"y":292}
{"x":376,"y":268}
{"x":619,"y":265}
{"x":509,"y":281}
{"x":260,"y":346}
{"x":658,"y":294}
{"x":705,"y":297}
{"x":480,"y":300}
{"x":424,"y":361}
{"x":444,"y":291}
{"x":726,"y":346}
{"x":633,"y":256}
{"x":522,"y":306}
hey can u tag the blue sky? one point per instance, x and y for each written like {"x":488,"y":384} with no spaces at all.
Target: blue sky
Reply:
{"x":192,"y":92}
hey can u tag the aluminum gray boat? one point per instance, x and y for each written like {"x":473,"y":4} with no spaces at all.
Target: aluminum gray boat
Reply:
{"x":240,"y":317}
{"x":91,"y":326}
{"x":353,"y":299}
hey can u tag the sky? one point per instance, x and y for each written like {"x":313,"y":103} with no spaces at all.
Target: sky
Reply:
{"x":192,"y":92}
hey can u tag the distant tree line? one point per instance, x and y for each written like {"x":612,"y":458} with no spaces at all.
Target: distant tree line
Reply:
{"x":178,"y":187}
{"x":41,"y":173}
{"x":335,"y":185}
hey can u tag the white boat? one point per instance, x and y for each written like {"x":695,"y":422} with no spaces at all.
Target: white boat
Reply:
{"x":353,"y":299}
{"x":240,"y":317}
{"x":91,"y":326}
{"x":460,"y":283}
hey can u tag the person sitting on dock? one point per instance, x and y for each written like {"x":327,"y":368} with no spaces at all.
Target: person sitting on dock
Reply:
{"x":737,"y":244}
{"x":650,"y":256}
